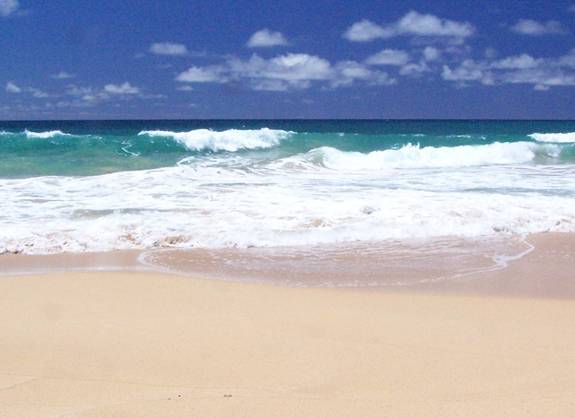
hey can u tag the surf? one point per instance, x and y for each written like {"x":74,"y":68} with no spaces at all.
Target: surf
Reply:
{"x":230,"y":140}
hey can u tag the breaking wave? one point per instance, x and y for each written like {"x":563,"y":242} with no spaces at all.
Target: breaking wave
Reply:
{"x":414,"y":156}
{"x":554,"y":137}
{"x":44,"y":135}
{"x":230,"y":140}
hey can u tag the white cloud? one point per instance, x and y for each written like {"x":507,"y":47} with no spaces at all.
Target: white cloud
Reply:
{"x":12,"y":88}
{"x":414,"y":69}
{"x":7,"y":7}
{"x":412,"y":24}
{"x":347,"y":73}
{"x":168,"y":48}
{"x":78,"y":91}
{"x":211,"y":74}
{"x":541,"y":78}
{"x":185,"y":88}
{"x":365,"y":31}
{"x":266,"y":38}
{"x":431,"y":53}
{"x":541,"y":73}
{"x":540,"y":87}
{"x":415,"y":23}
{"x":125,"y":88}
{"x":567,"y":60}
{"x":86,"y":96}
{"x":63,"y":75}
{"x":389,"y":57}
{"x":534,"y":28}
{"x":522,"y":61}
{"x":270,"y":85}
{"x":468,"y":70}
{"x":292,"y":68}
{"x":37,"y":93}
{"x":285,"y":72}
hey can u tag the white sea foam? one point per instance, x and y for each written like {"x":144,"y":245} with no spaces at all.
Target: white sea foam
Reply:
{"x":229,"y":201}
{"x":414,"y":156}
{"x":229,"y":140}
{"x":44,"y":135}
{"x":554,"y":137}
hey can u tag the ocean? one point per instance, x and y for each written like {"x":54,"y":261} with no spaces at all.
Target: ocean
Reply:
{"x":94,"y":186}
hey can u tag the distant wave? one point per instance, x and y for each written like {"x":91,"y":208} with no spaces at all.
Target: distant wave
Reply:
{"x":414,"y":156}
{"x":554,"y":137}
{"x":44,"y":135}
{"x":229,"y":140}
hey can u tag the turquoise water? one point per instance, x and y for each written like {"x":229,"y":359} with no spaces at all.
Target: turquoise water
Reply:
{"x":99,"y":147}
{"x":81,"y":186}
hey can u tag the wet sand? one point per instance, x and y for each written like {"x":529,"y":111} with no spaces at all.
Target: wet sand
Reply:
{"x":540,"y":266}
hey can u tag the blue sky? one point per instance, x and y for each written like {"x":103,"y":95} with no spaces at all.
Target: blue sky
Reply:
{"x":88,"y":59}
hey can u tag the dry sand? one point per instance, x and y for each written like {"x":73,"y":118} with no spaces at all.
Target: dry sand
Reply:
{"x":157,"y":346}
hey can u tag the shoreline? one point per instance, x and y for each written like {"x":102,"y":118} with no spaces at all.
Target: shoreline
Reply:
{"x":525,"y":272}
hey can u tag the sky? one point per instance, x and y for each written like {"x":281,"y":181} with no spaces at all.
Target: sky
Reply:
{"x":246,"y":59}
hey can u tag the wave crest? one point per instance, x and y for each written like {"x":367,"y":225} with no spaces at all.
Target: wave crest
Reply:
{"x":554,"y":137}
{"x":414,"y":156}
{"x":44,"y":135}
{"x":230,"y":140}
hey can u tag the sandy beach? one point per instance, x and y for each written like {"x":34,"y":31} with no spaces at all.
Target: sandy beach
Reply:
{"x":99,"y":344}
{"x":288,"y":209}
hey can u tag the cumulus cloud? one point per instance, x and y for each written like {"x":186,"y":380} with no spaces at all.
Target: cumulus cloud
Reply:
{"x":285,"y":72}
{"x":412,"y":24}
{"x":63,"y":75}
{"x":534,"y":28}
{"x":415,"y":23}
{"x":365,"y":31}
{"x":168,"y":48}
{"x":7,"y":7}
{"x":388,"y":57}
{"x":12,"y":88}
{"x":266,"y":38}
{"x":124,"y":88}
{"x":292,"y":68}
